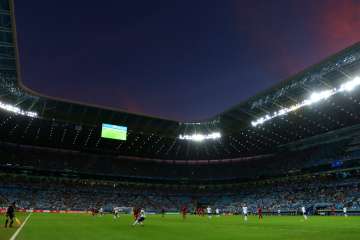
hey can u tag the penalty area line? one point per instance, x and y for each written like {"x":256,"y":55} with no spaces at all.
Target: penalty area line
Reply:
{"x":13,"y":237}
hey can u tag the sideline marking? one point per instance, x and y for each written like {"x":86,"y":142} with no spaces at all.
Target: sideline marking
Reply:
{"x":19,"y":229}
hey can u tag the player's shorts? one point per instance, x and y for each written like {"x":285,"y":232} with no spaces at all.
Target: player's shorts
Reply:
{"x":245,"y":214}
{"x":141,"y":219}
{"x":11,"y":216}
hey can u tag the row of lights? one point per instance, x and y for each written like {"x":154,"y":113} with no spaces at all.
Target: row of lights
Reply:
{"x":200,"y":137}
{"x":17,"y":110}
{"x":314,"y":98}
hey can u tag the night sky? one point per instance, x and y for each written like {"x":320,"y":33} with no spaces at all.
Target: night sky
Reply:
{"x":184,"y":59}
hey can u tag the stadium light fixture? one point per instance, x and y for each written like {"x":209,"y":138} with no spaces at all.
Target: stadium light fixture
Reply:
{"x":16,"y":110}
{"x":349,"y":86}
{"x":314,"y":98}
{"x":319,"y":96}
{"x":200,"y":137}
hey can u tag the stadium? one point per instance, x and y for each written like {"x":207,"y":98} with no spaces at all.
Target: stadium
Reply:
{"x":294,"y":146}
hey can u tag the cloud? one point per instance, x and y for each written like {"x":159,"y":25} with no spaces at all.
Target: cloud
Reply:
{"x":128,"y":103}
{"x":288,"y":36}
{"x":338,"y":25}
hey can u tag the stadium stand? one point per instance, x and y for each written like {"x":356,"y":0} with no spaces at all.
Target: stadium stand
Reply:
{"x":52,"y":155}
{"x":315,"y":191}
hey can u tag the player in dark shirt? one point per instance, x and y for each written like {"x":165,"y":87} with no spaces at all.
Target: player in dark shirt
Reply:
{"x":10,"y":215}
{"x":260,"y":212}
{"x":183,"y":212}
{"x":136,"y":212}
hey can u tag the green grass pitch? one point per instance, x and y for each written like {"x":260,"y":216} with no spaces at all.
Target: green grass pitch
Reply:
{"x":86,"y":227}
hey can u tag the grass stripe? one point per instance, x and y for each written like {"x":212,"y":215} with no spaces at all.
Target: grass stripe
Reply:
{"x":13,"y":237}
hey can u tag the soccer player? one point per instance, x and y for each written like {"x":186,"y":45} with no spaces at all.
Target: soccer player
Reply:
{"x":183,"y":212}
{"x":279,"y":212}
{"x":208,"y":210}
{"x":136,"y":212}
{"x":101,"y":211}
{"x":202,"y":211}
{"x":10,"y":215}
{"x":116,"y":212}
{"x":245,"y":212}
{"x":217,"y":211}
{"x":259,"y":210}
{"x":303,"y":210}
{"x":345,"y":211}
{"x":333,"y":210}
{"x":141,"y":218}
{"x":162,"y":212}
{"x":92,"y":210}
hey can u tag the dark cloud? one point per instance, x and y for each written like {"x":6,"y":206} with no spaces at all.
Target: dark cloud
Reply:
{"x":337,"y":25}
{"x":288,"y":36}
{"x":176,"y":59}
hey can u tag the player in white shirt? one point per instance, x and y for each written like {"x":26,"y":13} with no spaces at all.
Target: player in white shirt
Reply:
{"x":101,"y":211}
{"x":279,"y":212}
{"x":208,"y":209}
{"x":140,"y":220}
{"x":345,"y":211}
{"x":217,"y":211}
{"x":116,"y":212}
{"x":303,"y":210}
{"x":245,"y":212}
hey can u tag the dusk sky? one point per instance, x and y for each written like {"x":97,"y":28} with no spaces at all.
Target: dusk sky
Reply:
{"x":184,"y":59}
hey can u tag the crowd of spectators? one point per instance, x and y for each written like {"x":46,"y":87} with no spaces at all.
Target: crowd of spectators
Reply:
{"x":330,"y":190}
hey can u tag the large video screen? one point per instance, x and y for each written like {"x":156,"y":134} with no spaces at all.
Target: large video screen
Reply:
{"x":113,"y":132}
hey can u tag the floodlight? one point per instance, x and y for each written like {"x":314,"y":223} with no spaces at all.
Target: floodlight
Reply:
{"x":200,"y":137}
{"x":314,"y":98}
{"x":17,"y":110}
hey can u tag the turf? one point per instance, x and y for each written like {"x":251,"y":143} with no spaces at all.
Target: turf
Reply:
{"x":85,"y":227}
{"x":6,"y":233}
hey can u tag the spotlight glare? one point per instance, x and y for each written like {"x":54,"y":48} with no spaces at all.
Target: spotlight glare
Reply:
{"x":17,"y":110}
{"x":314,"y":98}
{"x":349,"y":86}
{"x":200,"y":137}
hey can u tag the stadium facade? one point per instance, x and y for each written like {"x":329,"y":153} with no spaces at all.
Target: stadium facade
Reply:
{"x":308,"y":122}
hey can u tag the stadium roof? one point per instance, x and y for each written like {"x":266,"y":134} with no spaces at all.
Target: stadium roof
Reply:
{"x":30,"y":118}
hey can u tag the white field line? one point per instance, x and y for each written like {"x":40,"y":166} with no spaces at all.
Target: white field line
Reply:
{"x":13,"y":237}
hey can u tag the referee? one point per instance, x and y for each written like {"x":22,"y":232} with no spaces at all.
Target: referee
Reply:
{"x":10,"y":215}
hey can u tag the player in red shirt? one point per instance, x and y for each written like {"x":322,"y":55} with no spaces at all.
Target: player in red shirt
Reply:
{"x":93,"y":211}
{"x":183,"y":212}
{"x":259,"y":210}
{"x":333,"y":210}
{"x":202,"y":211}
{"x":136,"y":212}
